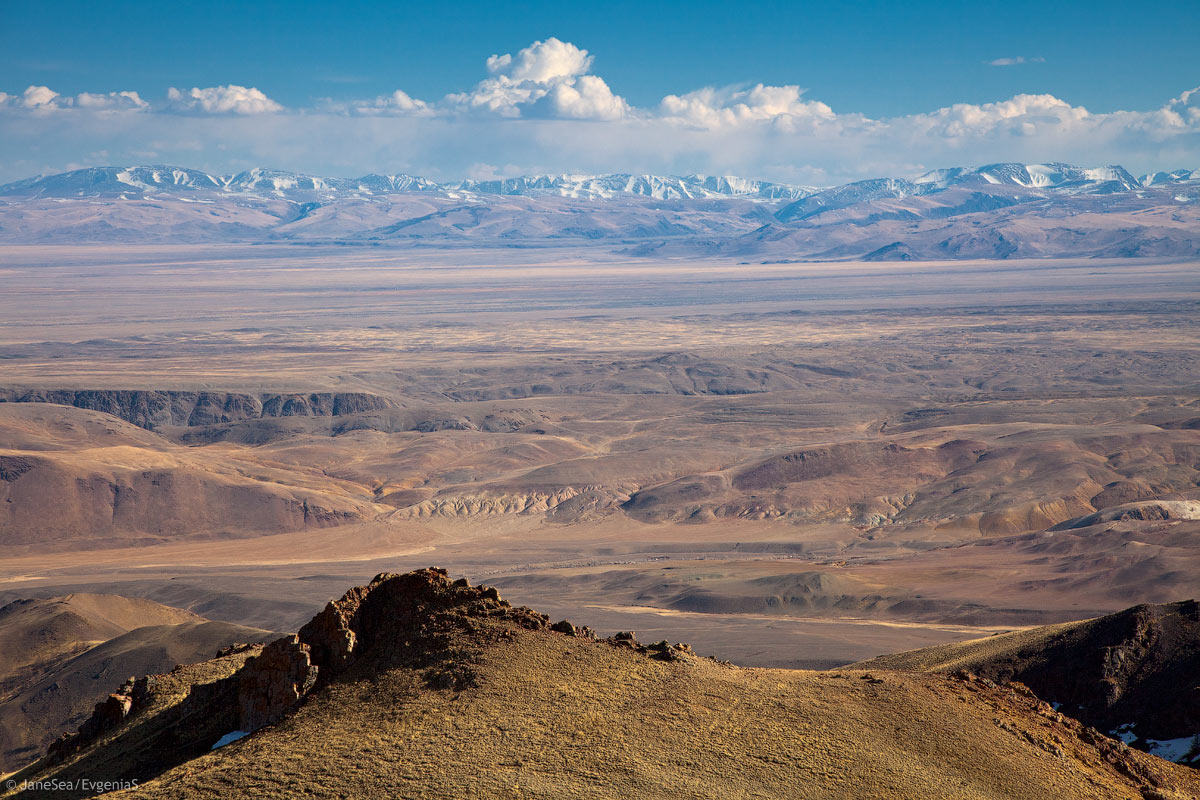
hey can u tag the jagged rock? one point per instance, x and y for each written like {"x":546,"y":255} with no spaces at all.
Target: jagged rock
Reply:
{"x":273,"y":682}
{"x":109,"y":713}
{"x":237,"y":647}
{"x":624,"y":639}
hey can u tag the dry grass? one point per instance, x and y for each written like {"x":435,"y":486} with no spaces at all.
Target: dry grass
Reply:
{"x":556,"y":717}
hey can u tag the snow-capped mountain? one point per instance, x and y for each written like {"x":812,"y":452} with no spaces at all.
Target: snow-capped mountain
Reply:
{"x":1026,"y":181}
{"x":113,"y":181}
{"x":993,"y":211}
{"x":806,"y":200}
{"x":268,"y":183}
{"x":1060,"y":177}
{"x":603,"y":187}
{"x":1166,"y":178}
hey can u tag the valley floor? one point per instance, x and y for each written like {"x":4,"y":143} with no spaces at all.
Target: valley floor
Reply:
{"x":800,"y":464}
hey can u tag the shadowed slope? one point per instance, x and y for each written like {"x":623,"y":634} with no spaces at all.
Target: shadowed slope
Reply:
{"x":61,"y":655}
{"x":1139,"y":668}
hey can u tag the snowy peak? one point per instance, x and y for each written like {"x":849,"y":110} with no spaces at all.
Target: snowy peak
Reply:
{"x":268,"y":183}
{"x":387,"y":184}
{"x":603,"y":187}
{"x":114,"y":182}
{"x":1062,"y":177}
{"x":851,"y":194}
{"x":799,"y":202}
{"x":1168,"y":178}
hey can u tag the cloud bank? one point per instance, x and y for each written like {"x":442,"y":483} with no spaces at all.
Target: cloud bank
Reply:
{"x":1014,"y":61}
{"x":543,"y":109}
{"x":231,"y":99}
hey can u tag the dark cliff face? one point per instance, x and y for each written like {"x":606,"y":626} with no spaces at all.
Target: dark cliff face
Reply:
{"x":155,"y":409}
{"x":1139,"y":666}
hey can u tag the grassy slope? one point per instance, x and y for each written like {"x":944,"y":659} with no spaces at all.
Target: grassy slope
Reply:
{"x":560,"y":717}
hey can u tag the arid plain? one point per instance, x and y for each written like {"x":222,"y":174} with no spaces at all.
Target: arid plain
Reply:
{"x":795,"y":464}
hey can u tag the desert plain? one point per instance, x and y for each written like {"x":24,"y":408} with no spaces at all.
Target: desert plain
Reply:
{"x":796,"y":464}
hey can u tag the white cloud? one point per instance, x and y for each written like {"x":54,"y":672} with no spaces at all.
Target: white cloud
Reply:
{"x":231,"y":99}
{"x":546,"y":79}
{"x":40,"y":97}
{"x":124,"y":101}
{"x":541,"y":62}
{"x":542,"y":110}
{"x":1185,"y":108}
{"x":729,"y":106}
{"x":398,"y":103}
{"x":1014,"y":61}
{"x":43,"y":98}
{"x":1020,"y":115}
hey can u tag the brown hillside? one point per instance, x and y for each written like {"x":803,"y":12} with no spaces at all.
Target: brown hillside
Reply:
{"x":1140,"y":666}
{"x":62,"y":655}
{"x":419,"y":686}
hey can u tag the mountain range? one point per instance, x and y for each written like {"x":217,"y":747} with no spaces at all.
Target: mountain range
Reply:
{"x":995,"y":211}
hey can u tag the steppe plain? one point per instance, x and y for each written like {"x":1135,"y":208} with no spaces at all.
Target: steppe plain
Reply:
{"x":789,"y":465}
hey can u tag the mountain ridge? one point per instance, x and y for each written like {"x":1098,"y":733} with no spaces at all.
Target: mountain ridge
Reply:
{"x":996,"y":211}
{"x":448,"y":690}
{"x":114,"y":179}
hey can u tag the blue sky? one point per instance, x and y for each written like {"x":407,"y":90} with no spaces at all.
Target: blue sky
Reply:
{"x":323,"y":64}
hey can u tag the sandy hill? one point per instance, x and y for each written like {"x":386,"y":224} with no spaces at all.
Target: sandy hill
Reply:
{"x":1137,"y":670}
{"x":37,"y":633}
{"x":419,"y":686}
{"x":73,"y":477}
{"x":59,"y":656}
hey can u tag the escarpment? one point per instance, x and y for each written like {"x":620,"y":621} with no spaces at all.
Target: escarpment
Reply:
{"x":166,"y":408}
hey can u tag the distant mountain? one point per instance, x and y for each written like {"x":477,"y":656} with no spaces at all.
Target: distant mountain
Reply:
{"x":1003,"y":210}
{"x":1062,"y":177}
{"x":1164,"y":178}
{"x":1022,"y":179}
{"x":130,"y":181}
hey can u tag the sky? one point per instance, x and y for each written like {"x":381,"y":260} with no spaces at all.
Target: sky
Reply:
{"x":801,"y":92}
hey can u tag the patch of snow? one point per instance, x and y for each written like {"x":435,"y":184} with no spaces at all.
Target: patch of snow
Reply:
{"x":1185,"y":750}
{"x":232,"y":736}
{"x":1125,"y":733}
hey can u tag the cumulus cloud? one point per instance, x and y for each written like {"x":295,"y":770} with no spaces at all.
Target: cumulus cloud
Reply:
{"x":730,"y":106}
{"x":547,"y":78}
{"x":398,"y":103}
{"x":231,"y":99}
{"x":43,"y":98}
{"x":40,"y":97}
{"x":1021,"y":115}
{"x":1014,"y":61}
{"x":1185,"y":109}
{"x":124,"y":101}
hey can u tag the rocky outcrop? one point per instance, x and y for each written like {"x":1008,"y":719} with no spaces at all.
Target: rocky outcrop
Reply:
{"x":1140,"y":666}
{"x":109,"y":714}
{"x":1147,"y":510}
{"x":568,"y":502}
{"x":169,"y":408}
{"x":272,"y":683}
{"x":396,"y":620}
